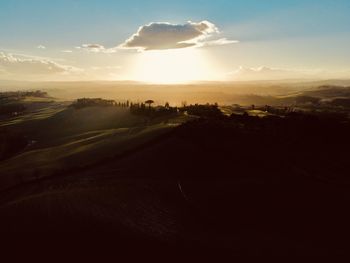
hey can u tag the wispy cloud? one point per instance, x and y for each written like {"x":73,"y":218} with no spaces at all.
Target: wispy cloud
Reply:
{"x":41,"y":47}
{"x":18,"y":65}
{"x":96,"y":48}
{"x":219,"y":42}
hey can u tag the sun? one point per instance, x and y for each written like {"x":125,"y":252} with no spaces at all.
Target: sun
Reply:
{"x":172,"y":66}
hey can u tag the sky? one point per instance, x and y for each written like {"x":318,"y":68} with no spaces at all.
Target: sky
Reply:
{"x":174,"y":41}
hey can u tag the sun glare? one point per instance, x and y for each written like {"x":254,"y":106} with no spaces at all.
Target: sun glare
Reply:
{"x":172,"y":66}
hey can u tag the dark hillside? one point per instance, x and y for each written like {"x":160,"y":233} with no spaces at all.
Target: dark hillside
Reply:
{"x":239,"y":184}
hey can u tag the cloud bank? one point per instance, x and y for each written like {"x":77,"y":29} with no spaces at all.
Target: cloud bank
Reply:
{"x":14,"y":65}
{"x":163,"y":35}
{"x":267,"y":73}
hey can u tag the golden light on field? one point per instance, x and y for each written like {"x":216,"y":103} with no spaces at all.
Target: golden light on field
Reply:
{"x":173,"y":66}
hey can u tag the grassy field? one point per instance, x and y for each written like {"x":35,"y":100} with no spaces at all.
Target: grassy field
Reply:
{"x":62,"y":138}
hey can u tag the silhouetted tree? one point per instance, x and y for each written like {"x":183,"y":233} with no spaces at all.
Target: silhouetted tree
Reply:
{"x":149,"y":102}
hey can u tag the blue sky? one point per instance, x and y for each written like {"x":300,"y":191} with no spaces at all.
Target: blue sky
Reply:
{"x":272,"y":33}
{"x":72,"y":21}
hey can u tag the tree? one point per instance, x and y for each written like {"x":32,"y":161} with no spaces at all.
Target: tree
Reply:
{"x":149,"y":102}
